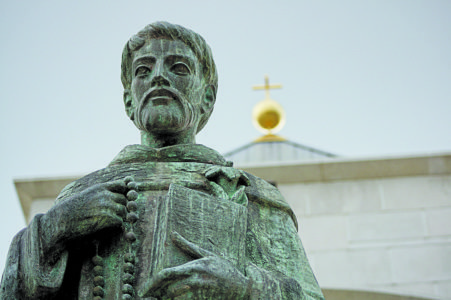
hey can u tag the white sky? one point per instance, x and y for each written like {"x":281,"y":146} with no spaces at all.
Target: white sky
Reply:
{"x":361,"y":78}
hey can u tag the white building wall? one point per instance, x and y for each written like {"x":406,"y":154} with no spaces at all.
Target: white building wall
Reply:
{"x":386,"y":234}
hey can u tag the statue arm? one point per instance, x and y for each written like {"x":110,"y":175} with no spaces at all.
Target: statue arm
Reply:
{"x":278,"y":260}
{"x":27,"y":274}
{"x":38,"y":255}
{"x":274,"y":248}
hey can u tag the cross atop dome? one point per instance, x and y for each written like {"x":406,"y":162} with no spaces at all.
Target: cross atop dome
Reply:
{"x":268,"y":115}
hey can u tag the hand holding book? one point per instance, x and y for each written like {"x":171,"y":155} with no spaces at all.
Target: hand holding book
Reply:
{"x":206,"y":275}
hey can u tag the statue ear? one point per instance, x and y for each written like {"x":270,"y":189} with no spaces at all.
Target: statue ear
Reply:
{"x":128,"y":102}
{"x":209,"y":99}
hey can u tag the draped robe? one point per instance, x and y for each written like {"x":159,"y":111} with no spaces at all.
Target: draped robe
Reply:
{"x":275,"y":260}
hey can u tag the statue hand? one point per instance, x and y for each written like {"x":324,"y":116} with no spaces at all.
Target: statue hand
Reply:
{"x":208,"y":275}
{"x":99,"y":207}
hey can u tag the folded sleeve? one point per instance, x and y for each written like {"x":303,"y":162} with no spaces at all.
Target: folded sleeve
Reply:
{"x":28,"y":274}
{"x":273,"y":246}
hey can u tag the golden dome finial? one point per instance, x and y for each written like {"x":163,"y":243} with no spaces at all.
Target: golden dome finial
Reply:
{"x":268,"y":115}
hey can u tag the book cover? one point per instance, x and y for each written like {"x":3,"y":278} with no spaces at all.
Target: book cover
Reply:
{"x":214,"y":224}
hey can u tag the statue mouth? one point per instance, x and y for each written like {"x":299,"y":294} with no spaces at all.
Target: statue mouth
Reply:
{"x":161,"y":97}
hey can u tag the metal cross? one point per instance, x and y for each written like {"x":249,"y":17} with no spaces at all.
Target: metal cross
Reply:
{"x":267,"y":87}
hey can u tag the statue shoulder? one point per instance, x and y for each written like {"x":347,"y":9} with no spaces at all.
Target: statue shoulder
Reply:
{"x":262,"y":192}
{"x":100,"y":176}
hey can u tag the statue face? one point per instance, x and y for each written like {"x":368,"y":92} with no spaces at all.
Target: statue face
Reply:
{"x":167,"y":87}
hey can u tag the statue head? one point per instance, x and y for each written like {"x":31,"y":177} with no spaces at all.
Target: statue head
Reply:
{"x":170,"y":80}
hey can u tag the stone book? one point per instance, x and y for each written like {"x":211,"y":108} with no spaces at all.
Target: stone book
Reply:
{"x":214,"y":224}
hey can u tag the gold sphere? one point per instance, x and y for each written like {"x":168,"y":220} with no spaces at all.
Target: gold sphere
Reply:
{"x":268,"y":116}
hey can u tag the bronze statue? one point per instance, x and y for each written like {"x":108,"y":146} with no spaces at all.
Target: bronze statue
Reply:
{"x":167,"y":219}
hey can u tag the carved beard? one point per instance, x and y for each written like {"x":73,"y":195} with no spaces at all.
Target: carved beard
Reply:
{"x":143,"y":114}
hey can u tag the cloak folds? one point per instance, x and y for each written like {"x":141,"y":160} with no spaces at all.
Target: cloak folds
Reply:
{"x":271,"y":253}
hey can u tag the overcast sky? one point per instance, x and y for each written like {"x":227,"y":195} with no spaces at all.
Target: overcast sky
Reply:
{"x":360,"y":79}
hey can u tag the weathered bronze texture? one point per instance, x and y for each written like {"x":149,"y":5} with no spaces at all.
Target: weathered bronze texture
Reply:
{"x":167,"y":219}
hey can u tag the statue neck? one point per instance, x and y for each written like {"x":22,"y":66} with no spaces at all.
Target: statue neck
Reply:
{"x":155,"y":140}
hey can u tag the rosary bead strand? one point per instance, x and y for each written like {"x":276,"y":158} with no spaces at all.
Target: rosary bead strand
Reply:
{"x":128,"y":290}
{"x":99,"y":282}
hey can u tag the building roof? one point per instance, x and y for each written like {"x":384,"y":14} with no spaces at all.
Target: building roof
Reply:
{"x":269,"y":117}
{"x":270,"y":150}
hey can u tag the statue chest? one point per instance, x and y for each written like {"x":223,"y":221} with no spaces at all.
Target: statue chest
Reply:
{"x":142,"y":247}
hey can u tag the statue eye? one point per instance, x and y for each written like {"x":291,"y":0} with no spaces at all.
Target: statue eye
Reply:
{"x":142,"y":71}
{"x":180,"y":69}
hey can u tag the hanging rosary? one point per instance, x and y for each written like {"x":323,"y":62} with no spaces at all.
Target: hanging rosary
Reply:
{"x":128,"y":277}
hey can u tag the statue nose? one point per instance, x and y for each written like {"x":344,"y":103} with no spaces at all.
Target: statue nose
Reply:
{"x":159,"y":80}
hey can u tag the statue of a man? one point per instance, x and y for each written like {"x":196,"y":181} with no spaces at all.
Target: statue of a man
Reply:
{"x":167,"y":219}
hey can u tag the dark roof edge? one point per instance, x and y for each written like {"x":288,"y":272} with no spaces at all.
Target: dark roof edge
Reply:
{"x":328,"y":154}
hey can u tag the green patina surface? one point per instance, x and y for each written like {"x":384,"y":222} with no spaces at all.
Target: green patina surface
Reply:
{"x":167,"y":219}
